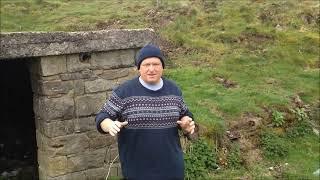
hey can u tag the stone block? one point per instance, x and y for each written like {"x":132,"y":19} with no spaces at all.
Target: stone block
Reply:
{"x":84,"y":124}
{"x":54,"y":108}
{"x":98,"y":85}
{"x":57,"y":128}
{"x":98,"y":71}
{"x":109,"y":93}
{"x":37,"y":44}
{"x":50,"y":78}
{"x":120,"y":171}
{"x":53,"y":166}
{"x":115,"y":170}
{"x":74,"y":64}
{"x":85,"y":74}
{"x":50,"y":88}
{"x":89,"y":104}
{"x":78,"y":87}
{"x":98,"y":140}
{"x":62,"y":145}
{"x":97,"y":173}
{"x":113,"y":59}
{"x":51,"y":65}
{"x":71,"y":76}
{"x":106,"y":60}
{"x":114,"y":73}
{"x":69,"y":144}
{"x":34,"y":66}
{"x":42,"y":174}
{"x":127,"y":57}
{"x":132,"y":74}
{"x":86,"y":160}
{"x":112,"y":155}
{"x":88,"y":74}
{"x":34,"y":83}
{"x":70,"y":176}
{"x":43,"y":143}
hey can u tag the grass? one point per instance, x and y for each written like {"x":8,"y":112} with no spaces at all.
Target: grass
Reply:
{"x":58,"y":15}
{"x":303,"y":148}
{"x":264,"y":54}
{"x":270,"y":49}
{"x":301,"y":162}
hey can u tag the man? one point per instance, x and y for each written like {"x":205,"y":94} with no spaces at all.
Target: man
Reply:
{"x":146,"y":113}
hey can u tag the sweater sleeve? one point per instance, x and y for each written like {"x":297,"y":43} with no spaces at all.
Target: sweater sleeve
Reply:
{"x":111,"y":109}
{"x":183,"y":106}
{"x":184,"y":109}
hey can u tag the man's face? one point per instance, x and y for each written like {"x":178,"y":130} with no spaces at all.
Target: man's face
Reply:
{"x":151,"y":70}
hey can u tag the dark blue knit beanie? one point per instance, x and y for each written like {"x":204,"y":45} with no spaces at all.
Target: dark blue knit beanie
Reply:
{"x":149,"y":51}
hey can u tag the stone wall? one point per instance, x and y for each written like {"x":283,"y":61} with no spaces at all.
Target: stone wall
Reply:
{"x":68,"y":90}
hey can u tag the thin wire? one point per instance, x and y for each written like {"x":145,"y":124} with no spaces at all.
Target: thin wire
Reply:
{"x":111,"y":165}
{"x":108,"y":163}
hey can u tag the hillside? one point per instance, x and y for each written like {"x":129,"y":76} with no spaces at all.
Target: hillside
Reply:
{"x":249,"y":70}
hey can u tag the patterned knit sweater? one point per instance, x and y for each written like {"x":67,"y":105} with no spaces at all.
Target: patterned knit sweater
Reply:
{"x":149,"y":146}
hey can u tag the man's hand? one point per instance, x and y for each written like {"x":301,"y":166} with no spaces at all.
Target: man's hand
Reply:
{"x":186,"y":124}
{"x":112,"y":127}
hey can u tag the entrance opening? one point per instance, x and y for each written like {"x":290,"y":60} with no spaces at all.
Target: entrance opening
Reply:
{"x":18,"y":147}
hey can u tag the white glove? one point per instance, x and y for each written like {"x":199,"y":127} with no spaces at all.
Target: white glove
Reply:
{"x":112,"y":127}
{"x":187,"y":124}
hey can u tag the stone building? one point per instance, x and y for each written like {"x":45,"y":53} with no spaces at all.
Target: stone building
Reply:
{"x":71,"y":75}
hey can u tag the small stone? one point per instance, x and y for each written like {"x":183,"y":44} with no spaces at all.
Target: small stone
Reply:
{"x":14,"y":173}
{"x":271,"y":81}
{"x":4,"y":174}
{"x":219,"y":79}
{"x":317,"y":172}
{"x":279,"y":27}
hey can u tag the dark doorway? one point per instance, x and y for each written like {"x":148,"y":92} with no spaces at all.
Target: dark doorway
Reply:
{"x":18,"y":149}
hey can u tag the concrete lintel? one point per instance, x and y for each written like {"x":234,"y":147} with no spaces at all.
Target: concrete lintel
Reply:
{"x":36,"y":44}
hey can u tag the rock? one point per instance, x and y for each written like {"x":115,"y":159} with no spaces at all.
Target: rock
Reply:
{"x":99,"y":85}
{"x":233,"y":135}
{"x":297,"y":101}
{"x":4,"y":174}
{"x":15,"y":172}
{"x":31,"y":44}
{"x":316,"y":173}
{"x":279,"y":27}
{"x":52,"y":65}
{"x":54,"y":108}
{"x":219,"y":79}
{"x":55,"y":87}
{"x":89,"y":104}
{"x":114,"y":73}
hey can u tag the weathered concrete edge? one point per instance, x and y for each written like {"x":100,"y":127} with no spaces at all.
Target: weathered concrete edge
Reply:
{"x":35,"y":44}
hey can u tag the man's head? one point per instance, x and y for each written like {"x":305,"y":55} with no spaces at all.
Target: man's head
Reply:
{"x":149,"y":51}
{"x":150,"y":63}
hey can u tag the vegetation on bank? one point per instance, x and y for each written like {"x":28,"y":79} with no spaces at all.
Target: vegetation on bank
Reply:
{"x":237,"y":62}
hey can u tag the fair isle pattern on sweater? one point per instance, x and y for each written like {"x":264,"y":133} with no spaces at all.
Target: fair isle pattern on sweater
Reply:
{"x":149,"y":146}
{"x":145,"y":112}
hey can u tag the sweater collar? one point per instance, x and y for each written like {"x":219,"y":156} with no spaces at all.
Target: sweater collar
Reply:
{"x":153,"y":87}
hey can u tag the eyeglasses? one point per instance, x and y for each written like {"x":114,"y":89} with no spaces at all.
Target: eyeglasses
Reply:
{"x":148,"y":65}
